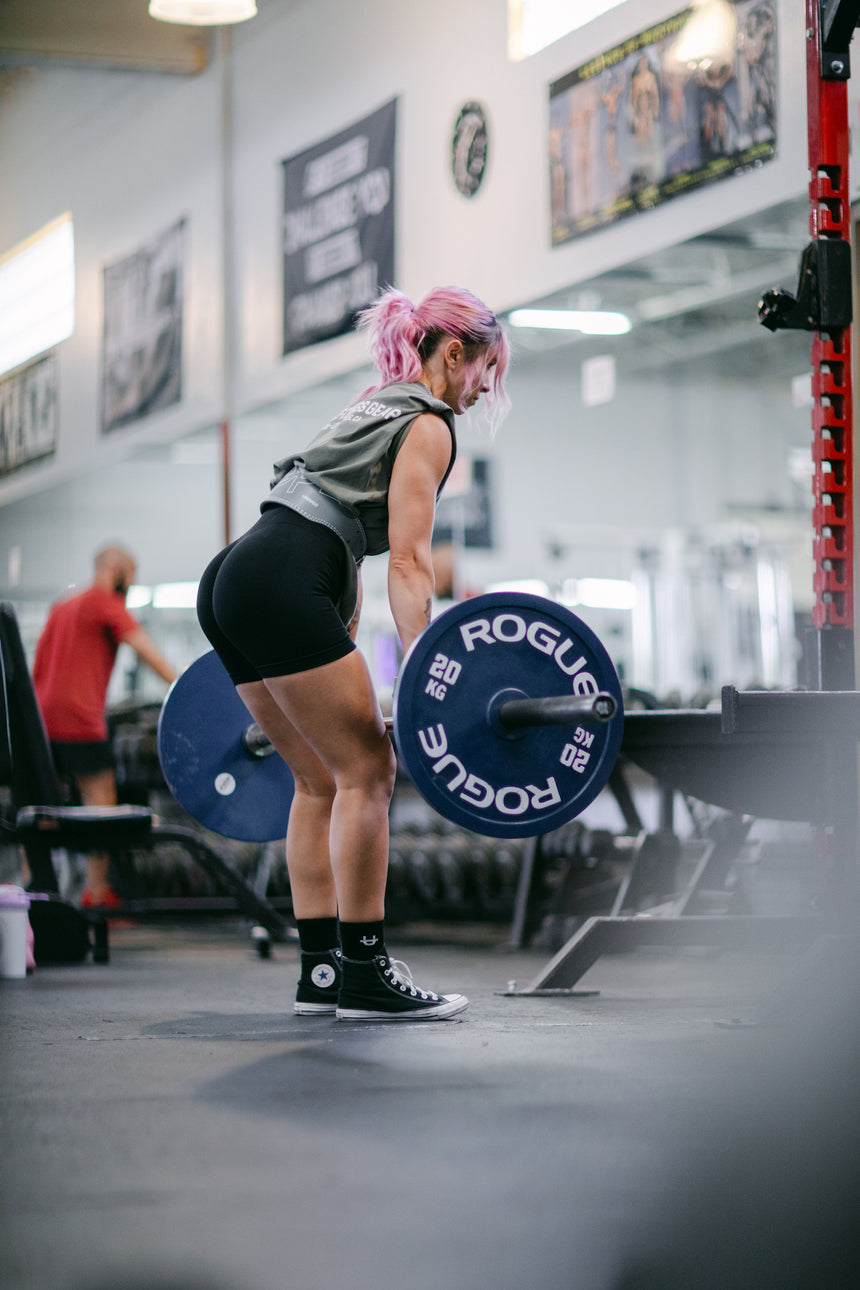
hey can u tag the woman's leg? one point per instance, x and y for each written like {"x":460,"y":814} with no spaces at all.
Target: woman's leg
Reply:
{"x":331,"y":719}
{"x":327,"y":726}
{"x":336,"y":710}
{"x":307,"y":844}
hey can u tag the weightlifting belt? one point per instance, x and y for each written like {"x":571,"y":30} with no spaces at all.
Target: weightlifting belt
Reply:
{"x":297,"y":492}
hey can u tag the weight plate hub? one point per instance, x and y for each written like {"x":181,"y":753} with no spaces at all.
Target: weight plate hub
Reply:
{"x":446,"y":703}
{"x":206,"y":765}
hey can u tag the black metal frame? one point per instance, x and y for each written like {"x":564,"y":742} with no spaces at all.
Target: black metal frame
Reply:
{"x":600,"y":936}
{"x":806,"y":743}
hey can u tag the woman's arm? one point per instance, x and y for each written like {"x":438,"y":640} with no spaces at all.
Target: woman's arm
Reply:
{"x":419,"y":469}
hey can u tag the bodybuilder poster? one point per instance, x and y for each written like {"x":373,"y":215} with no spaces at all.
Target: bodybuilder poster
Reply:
{"x":686,"y":103}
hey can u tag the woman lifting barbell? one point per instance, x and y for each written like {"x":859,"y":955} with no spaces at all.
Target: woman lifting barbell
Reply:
{"x":280,"y":607}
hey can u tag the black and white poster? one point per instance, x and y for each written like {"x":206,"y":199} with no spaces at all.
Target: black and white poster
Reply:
{"x":688,"y":102}
{"x":338,"y":229}
{"x":143,"y":300}
{"x":28,"y":414}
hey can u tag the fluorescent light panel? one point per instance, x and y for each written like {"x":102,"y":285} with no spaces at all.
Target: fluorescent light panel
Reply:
{"x":174,"y":595}
{"x":138,"y":596}
{"x":589,"y":321}
{"x":595,"y":593}
{"x":530,"y":586}
{"x":599,"y":593}
{"x":165,"y":595}
{"x":37,"y":293}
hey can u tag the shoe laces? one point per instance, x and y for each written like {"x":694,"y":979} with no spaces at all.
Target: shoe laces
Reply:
{"x":400,"y":976}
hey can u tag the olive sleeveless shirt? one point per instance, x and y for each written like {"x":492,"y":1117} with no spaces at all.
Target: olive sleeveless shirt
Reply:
{"x":352,"y":458}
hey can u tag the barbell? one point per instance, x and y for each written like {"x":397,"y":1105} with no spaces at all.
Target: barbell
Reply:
{"x":507,"y":716}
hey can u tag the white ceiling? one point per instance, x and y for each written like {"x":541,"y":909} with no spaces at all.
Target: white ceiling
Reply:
{"x":696,"y":302}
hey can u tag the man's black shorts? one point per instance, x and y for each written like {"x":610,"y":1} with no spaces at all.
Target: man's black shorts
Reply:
{"x":82,"y":759}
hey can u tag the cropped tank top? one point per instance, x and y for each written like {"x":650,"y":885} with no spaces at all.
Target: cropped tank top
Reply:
{"x":352,"y":458}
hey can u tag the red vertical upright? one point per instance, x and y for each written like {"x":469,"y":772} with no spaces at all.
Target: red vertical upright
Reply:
{"x":824,"y":306}
{"x":833,"y":537}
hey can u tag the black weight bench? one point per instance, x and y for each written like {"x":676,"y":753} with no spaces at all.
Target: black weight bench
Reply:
{"x":37,"y":819}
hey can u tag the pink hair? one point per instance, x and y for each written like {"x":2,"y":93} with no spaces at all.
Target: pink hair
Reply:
{"x":402,"y":337}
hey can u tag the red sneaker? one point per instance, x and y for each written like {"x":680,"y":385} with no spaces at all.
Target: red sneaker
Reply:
{"x":108,"y":900}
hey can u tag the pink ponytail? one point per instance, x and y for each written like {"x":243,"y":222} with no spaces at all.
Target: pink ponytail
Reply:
{"x":402,"y":336}
{"x":394,"y":335}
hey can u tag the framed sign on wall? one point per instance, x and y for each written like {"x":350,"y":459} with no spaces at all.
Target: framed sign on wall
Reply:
{"x":28,"y":414}
{"x":143,"y":305}
{"x":338,"y":231}
{"x":688,"y":102}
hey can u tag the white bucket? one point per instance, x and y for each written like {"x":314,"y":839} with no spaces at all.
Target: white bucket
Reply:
{"x":14,"y":904}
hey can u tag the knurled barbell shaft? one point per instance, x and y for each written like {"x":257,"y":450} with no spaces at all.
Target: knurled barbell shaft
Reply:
{"x":515,"y":714}
{"x":556,"y":710}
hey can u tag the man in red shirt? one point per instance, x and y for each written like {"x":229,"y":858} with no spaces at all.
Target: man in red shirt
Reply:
{"x":74,"y":660}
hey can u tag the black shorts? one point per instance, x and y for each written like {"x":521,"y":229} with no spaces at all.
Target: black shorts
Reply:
{"x":268,"y":602}
{"x":82,"y":759}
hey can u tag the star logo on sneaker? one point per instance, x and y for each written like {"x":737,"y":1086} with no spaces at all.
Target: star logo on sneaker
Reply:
{"x":323,"y":976}
{"x":369,"y":940}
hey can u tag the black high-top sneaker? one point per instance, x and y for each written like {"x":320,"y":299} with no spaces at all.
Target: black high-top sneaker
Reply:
{"x":319,"y":983}
{"x":383,"y":990}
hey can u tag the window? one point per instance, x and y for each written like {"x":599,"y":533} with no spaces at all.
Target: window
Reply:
{"x":37,"y":293}
{"x":534,"y":24}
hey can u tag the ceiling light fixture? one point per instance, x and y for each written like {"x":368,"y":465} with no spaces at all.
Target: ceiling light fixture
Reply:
{"x":202,"y":13}
{"x":591,"y":322}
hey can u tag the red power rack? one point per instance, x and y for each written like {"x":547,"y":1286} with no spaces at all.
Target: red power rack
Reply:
{"x":823,"y":306}
{"x":829,"y":217}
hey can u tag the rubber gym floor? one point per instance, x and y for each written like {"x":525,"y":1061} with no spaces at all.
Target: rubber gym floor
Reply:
{"x":168,"y":1123}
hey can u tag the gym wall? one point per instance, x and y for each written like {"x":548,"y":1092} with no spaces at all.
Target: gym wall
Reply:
{"x":129,"y":153}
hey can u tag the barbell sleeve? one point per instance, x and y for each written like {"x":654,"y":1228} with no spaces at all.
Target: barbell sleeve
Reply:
{"x":255,"y":743}
{"x":556,"y":710}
